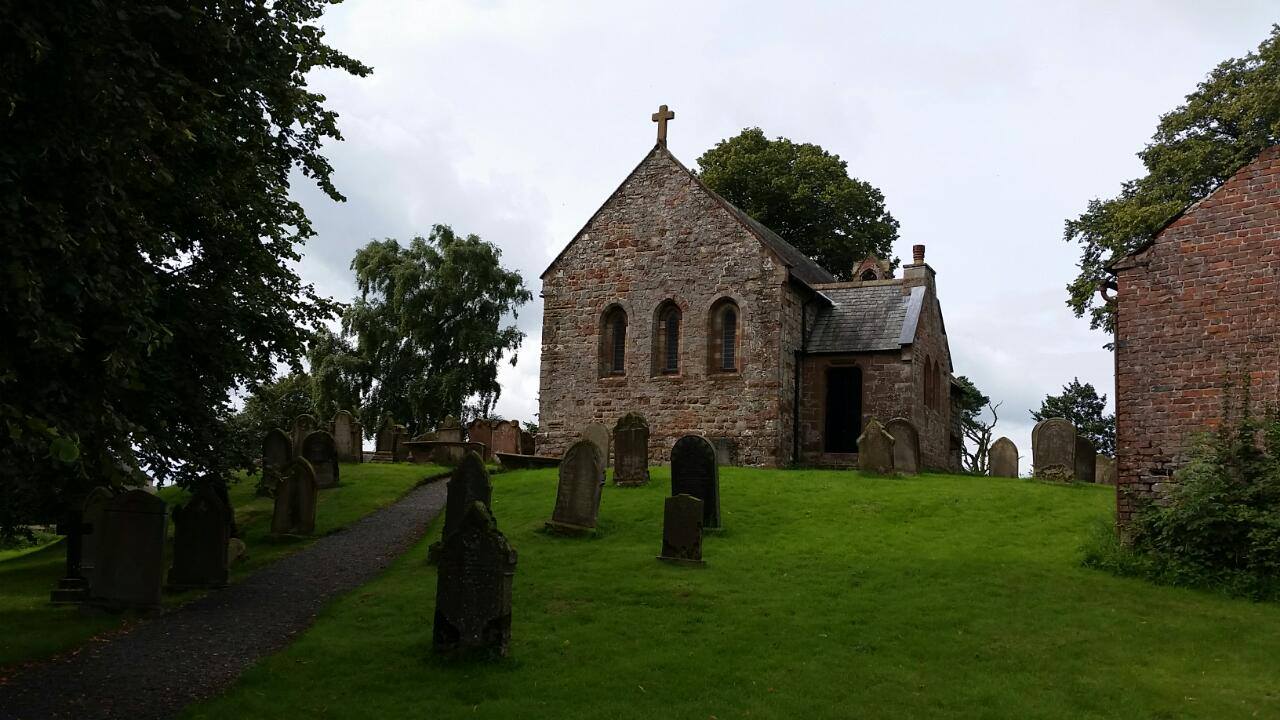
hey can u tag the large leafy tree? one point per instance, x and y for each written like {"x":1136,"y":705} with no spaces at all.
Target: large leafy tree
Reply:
{"x":1086,"y":409}
{"x":1232,"y":116}
{"x":146,"y":151}
{"x":339,"y":375}
{"x":804,"y":194}
{"x":429,"y":323}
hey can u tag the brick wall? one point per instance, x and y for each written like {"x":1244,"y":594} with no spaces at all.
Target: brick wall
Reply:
{"x":1199,"y":306}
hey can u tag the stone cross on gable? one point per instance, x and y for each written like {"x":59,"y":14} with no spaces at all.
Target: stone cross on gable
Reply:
{"x":661,"y":117}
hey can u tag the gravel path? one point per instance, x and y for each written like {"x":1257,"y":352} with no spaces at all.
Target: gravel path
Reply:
{"x":175,"y":659}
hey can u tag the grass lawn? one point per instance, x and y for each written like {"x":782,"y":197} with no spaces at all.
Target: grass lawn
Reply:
{"x":33,"y":629}
{"x":828,"y":595}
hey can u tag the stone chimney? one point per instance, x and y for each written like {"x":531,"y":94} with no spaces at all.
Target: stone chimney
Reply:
{"x":918,"y":272}
{"x":917,"y":254}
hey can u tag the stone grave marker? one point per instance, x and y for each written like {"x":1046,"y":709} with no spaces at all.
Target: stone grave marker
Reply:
{"x":319,"y":449}
{"x":384,"y":442}
{"x":631,"y":450}
{"x":598,"y":434}
{"x":450,"y":430}
{"x":1105,"y":470}
{"x":201,"y":533}
{"x":1003,"y":458}
{"x":682,"y":530}
{"x":528,"y":444}
{"x":295,"y":509}
{"x":694,"y":472}
{"x":93,"y":513}
{"x":344,"y":439}
{"x":277,"y":452}
{"x":303,"y":425}
{"x":468,"y":484}
{"x":504,"y":437}
{"x":473,"y":589}
{"x":481,"y":431}
{"x":129,"y":570}
{"x":1053,"y":450}
{"x":578,"y":492}
{"x":876,"y":449}
{"x":1086,"y":461}
{"x":906,"y":446}
{"x":399,"y":452}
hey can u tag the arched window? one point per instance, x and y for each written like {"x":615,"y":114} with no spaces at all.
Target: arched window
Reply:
{"x":724,"y":338}
{"x":666,"y":339}
{"x":613,"y":342}
{"x":870,"y":275}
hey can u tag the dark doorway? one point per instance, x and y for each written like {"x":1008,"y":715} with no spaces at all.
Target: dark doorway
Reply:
{"x":844,"y":409}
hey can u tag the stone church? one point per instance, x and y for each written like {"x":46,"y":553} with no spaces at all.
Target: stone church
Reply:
{"x":675,"y":304}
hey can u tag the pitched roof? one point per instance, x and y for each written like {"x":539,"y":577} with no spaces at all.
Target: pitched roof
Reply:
{"x":866,"y":318}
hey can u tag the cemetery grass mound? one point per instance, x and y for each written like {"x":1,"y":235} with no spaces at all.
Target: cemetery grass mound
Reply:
{"x":826,"y":595}
{"x":33,"y":629}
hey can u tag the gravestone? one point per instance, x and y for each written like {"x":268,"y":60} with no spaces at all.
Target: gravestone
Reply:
{"x":1105,"y":470}
{"x":528,"y":444}
{"x":319,"y":450}
{"x":468,"y":484}
{"x":504,"y":437}
{"x":481,"y":431}
{"x":277,"y":452}
{"x":876,"y":449}
{"x":694,"y":472}
{"x":201,"y":533}
{"x":1003,"y":458}
{"x":631,"y":450}
{"x":726,"y":451}
{"x":295,"y":509}
{"x":598,"y":434}
{"x":906,"y":446}
{"x":450,"y":430}
{"x":682,"y":531}
{"x":357,"y":441}
{"x":579,"y":489}
{"x":303,"y":425}
{"x":1053,"y":450}
{"x":93,"y":513}
{"x":344,"y":442}
{"x":399,"y":452}
{"x":1086,"y":461}
{"x":473,"y":589}
{"x":384,"y":441}
{"x":130,"y":565}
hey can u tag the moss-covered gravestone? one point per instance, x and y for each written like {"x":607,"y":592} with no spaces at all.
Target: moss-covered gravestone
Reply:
{"x":875,"y":449}
{"x":321,"y":451}
{"x":468,"y":484}
{"x":694,"y":471}
{"x":631,"y":450}
{"x":473,"y":589}
{"x":906,"y":446}
{"x":578,"y":492}
{"x":201,"y":531}
{"x":1053,"y":450}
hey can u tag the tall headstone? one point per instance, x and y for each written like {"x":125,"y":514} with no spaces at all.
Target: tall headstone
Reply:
{"x":504,"y":437}
{"x":130,"y":563}
{"x":1053,"y":450}
{"x":579,"y":489}
{"x":631,"y":450}
{"x":93,"y":513}
{"x":303,"y":425}
{"x":1086,"y":461}
{"x":1105,"y":470}
{"x":344,"y":436}
{"x":277,"y":452}
{"x":1003,"y":458}
{"x":906,"y":446}
{"x":473,"y":589}
{"x":598,"y":434}
{"x":201,"y":532}
{"x":384,"y":441}
{"x":694,"y":472}
{"x":469,"y":483}
{"x":876,"y":449}
{"x":319,"y":449}
{"x":450,"y":430}
{"x":295,"y":509}
{"x":682,"y":530}
{"x":481,"y":431}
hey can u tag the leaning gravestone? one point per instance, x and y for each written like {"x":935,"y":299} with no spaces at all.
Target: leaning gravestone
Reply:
{"x":1105,"y":470}
{"x":295,"y":509}
{"x":578,"y":493}
{"x":130,"y":562}
{"x":201,"y":532}
{"x":93,"y":513}
{"x":302,"y":427}
{"x":876,"y":449}
{"x":598,"y":434}
{"x":1053,"y":450}
{"x":468,"y":484}
{"x":1003,"y":458}
{"x":473,"y":588}
{"x":906,"y":446}
{"x":344,"y":436}
{"x":319,"y":449}
{"x":631,"y":450}
{"x":1086,"y":461}
{"x":682,"y":531}
{"x":694,"y":472}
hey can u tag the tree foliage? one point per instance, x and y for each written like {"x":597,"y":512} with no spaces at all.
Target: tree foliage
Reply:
{"x":145,"y":156}
{"x":804,"y":194}
{"x":428,"y":323}
{"x":1232,"y":116}
{"x":339,"y":374}
{"x":972,"y":405}
{"x":1085,"y":409}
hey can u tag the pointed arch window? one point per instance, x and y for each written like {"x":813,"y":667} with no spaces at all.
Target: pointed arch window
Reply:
{"x":724,"y":336}
{"x":666,"y":339}
{"x":613,"y":342}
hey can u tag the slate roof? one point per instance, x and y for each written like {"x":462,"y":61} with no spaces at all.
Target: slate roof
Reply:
{"x":866,"y":318}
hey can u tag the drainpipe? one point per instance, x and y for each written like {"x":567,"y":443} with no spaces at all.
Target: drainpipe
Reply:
{"x":795,"y":403}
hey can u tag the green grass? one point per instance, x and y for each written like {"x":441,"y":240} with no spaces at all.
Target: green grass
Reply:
{"x":828,"y":595}
{"x":34,"y":629}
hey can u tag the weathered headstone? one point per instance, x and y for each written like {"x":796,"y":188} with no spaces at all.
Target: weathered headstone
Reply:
{"x":598,"y":434}
{"x":319,"y":450}
{"x":201,"y":532}
{"x":726,"y":451}
{"x":875,"y":449}
{"x":399,"y":434}
{"x":130,"y":565}
{"x":384,"y":441}
{"x":528,"y":443}
{"x":504,"y":437}
{"x":481,"y":431}
{"x":578,"y":492}
{"x":277,"y":451}
{"x":450,"y":430}
{"x":694,"y":472}
{"x":682,"y":530}
{"x":1003,"y":458}
{"x":1086,"y":461}
{"x":468,"y":484}
{"x":1105,"y":470}
{"x":906,"y":446}
{"x":303,"y":425}
{"x":344,"y":443}
{"x":473,"y":589}
{"x":1053,"y":450}
{"x":93,"y":513}
{"x":295,"y":509}
{"x":631,"y":450}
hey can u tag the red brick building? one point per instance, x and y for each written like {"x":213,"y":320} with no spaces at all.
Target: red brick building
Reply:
{"x":673,"y":303}
{"x":1198,"y":308}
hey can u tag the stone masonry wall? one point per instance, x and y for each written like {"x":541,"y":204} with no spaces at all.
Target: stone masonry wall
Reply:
{"x":1198,"y":308}
{"x":934,"y":423}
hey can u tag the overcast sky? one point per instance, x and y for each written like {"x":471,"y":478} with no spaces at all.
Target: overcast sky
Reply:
{"x":985,"y":124}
